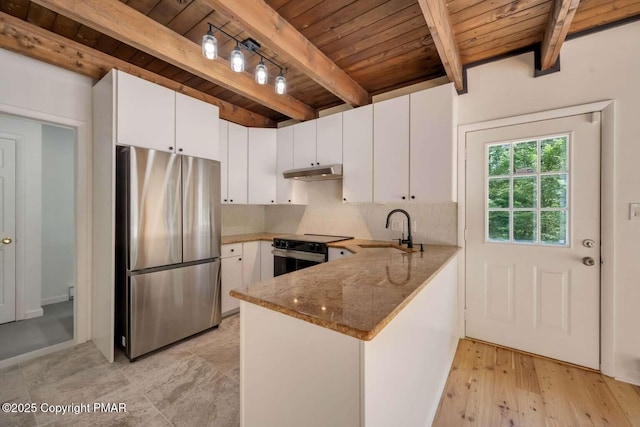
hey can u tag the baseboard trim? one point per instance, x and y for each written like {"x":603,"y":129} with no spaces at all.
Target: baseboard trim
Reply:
{"x":30,"y":314}
{"x":36,"y":353}
{"x":55,"y":300}
{"x":631,"y":379}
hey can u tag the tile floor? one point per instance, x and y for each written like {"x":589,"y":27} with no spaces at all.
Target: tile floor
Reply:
{"x":193,"y":383}
{"x":53,"y":327}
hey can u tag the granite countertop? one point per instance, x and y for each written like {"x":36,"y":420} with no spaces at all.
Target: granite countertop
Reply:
{"x":356,"y":295}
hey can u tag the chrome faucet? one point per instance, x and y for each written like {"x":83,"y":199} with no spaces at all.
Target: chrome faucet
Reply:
{"x":409,"y":239}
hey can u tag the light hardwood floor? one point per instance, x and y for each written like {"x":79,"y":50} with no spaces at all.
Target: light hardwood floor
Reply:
{"x":492,"y":386}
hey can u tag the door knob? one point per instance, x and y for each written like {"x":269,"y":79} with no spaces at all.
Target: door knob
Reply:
{"x":6,"y":240}
{"x":588,"y":261}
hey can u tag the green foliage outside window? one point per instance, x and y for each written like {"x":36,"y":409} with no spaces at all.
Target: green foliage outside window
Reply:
{"x":515,"y":183}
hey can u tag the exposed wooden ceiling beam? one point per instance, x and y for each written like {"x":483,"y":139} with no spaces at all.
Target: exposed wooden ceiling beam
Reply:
{"x":21,"y":37}
{"x":439,"y":22}
{"x":115,"y":19}
{"x":265,"y":24}
{"x":558,"y":25}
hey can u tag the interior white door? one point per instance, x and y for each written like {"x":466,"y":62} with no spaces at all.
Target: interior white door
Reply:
{"x":7,"y":230}
{"x":533,"y":237}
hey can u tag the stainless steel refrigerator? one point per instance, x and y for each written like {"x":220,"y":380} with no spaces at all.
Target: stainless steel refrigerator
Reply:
{"x":167,"y":248}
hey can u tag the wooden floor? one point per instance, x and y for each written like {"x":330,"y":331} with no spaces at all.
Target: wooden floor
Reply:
{"x":490,"y":386}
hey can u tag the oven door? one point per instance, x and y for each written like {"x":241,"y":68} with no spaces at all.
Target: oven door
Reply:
{"x":285,"y":261}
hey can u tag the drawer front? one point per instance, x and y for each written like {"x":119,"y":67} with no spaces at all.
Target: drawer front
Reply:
{"x":233,"y":249}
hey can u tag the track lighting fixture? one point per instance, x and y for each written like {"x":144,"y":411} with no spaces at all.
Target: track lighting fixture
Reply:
{"x":209,"y":45}
{"x":281,"y":84}
{"x":237,"y":60}
{"x":261,"y":73}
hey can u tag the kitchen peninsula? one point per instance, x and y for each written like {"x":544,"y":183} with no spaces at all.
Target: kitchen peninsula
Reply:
{"x":366,"y":340}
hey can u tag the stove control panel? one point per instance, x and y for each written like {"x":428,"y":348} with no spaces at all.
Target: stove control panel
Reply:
{"x":295,"y":245}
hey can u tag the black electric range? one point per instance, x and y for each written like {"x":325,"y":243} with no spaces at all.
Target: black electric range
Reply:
{"x":298,"y":251}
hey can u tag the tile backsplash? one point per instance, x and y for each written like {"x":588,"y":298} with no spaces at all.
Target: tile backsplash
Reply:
{"x":326,"y":214}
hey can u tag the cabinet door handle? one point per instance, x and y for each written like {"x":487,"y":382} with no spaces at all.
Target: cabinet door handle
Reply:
{"x":180,"y":150}
{"x":171,"y":148}
{"x":272,"y":201}
{"x":289,"y":200}
{"x":231,"y":200}
{"x":317,"y":163}
{"x":413,"y":197}
{"x":232,"y":250}
{"x":404,"y":198}
{"x":239,"y":259}
{"x":341,"y":252}
{"x":344,"y":199}
{"x":311,"y":164}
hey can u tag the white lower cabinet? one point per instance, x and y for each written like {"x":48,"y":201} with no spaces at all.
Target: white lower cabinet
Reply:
{"x":250,"y":262}
{"x":243,"y":264}
{"x":231,"y":277}
{"x":266,"y":260}
{"x":337,"y":253}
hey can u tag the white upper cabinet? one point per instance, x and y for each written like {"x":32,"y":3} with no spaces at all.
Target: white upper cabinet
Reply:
{"x":357,"y":152}
{"x":329,"y":140}
{"x":304,"y":144}
{"x":415,"y":147}
{"x":196,"y":128}
{"x":284,"y":161}
{"x":145,"y":114}
{"x":237,"y":166}
{"x":433,"y":144}
{"x":288,"y":191}
{"x":223,"y":155}
{"x":262,"y":166}
{"x":391,"y":150}
{"x":151,"y":116}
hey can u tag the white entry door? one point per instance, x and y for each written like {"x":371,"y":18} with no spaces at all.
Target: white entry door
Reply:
{"x":7,"y":230}
{"x":533,"y":237}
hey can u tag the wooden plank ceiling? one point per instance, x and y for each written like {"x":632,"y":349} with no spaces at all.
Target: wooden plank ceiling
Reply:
{"x":380,"y":44}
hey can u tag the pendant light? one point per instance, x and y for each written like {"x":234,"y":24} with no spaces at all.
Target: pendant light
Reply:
{"x":281,"y":84}
{"x":209,"y":45}
{"x":261,"y":73}
{"x":236,"y":59}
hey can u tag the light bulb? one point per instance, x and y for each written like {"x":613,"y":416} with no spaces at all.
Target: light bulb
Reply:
{"x":209,"y":46}
{"x":261,"y":73}
{"x":281,"y":84}
{"x":237,"y":60}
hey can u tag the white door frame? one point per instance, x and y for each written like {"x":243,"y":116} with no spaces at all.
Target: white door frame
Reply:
{"x":82,"y":307}
{"x":607,"y":200}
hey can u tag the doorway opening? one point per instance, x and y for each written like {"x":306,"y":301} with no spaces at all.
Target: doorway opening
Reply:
{"x":38,"y":227}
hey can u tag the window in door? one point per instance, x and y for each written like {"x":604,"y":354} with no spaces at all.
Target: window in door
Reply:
{"x":527,"y":191}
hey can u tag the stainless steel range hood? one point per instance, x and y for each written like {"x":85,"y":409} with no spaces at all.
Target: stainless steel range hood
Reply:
{"x":315,"y":173}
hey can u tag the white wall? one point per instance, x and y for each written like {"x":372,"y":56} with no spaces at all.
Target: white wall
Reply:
{"x":58,"y":212}
{"x":605,"y":65}
{"x":28,"y":213}
{"x":30,"y":88}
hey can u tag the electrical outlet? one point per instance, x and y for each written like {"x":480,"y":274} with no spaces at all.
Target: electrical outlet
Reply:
{"x":396,"y":225}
